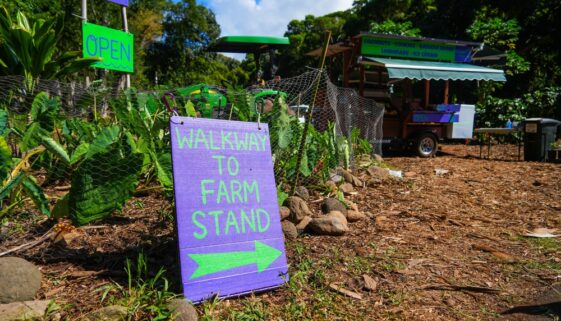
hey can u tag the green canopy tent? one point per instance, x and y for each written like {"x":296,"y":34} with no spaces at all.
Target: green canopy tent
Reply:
{"x":256,"y":45}
{"x":434,"y":70}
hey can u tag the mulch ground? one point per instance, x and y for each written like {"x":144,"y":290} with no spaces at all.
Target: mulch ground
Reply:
{"x":439,"y":247}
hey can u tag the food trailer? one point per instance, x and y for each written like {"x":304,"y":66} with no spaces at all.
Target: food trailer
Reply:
{"x":399,"y":73}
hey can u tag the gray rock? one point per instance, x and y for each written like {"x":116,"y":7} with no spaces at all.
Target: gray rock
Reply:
{"x":333,"y":204}
{"x":335,"y":177}
{"x":289,"y":230}
{"x":303,"y":223}
{"x":303,"y":193}
{"x":357,"y":182}
{"x":298,"y":209}
{"x":378,"y":172}
{"x":284,"y":212}
{"x":347,"y":176}
{"x":346,"y":188}
{"x":355,"y":216}
{"x":26,"y":310}
{"x":183,"y":310}
{"x":340,"y":216}
{"x":108,"y":313}
{"x":19,"y":280}
{"x":378,"y":158}
{"x":374,"y":182}
{"x":328,"y":225}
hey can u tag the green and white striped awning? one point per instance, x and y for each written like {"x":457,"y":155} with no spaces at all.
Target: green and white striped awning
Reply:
{"x":412,"y":69}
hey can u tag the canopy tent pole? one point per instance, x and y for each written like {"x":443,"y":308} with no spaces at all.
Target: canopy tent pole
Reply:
{"x":257,"y":56}
{"x":446,"y":91}
{"x":273,"y":65}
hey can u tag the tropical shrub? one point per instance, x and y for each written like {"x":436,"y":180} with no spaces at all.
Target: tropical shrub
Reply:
{"x":28,"y":48}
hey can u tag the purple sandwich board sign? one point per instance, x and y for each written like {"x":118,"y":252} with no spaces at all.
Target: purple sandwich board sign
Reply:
{"x":121,"y":2}
{"x":230,"y":236}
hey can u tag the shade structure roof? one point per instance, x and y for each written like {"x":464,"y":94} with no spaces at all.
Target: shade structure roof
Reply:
{"x":417,"y":69}
{"x":332,"y":50}
{"x":248,"y":44}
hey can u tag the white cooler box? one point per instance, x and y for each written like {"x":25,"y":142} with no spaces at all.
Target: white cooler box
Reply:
{"x":463,"y":129}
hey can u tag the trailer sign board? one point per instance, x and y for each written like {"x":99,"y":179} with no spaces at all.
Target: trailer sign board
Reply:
{"x":228,"y":222}
{"x":115,"y":47}
{"x":121,"y":2}
{"x":410,"y":49}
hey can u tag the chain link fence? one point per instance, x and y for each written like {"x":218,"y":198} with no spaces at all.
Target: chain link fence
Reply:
{"x":81,"y":152}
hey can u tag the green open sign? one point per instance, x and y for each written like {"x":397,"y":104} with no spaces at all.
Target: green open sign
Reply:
{"x":113,"y":46}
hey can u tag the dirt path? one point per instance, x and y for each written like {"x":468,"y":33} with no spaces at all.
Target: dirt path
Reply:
{"x":446,"y":247}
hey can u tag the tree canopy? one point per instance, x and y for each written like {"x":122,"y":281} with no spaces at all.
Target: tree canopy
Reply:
{"x":171,"y":38}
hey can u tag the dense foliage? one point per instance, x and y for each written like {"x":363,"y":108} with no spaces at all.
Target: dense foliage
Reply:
{"x":527,"y":31}
{"x":123,"y":147}
{"x":29,"y":48}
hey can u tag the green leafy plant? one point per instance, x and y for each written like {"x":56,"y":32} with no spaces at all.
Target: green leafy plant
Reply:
{"x":28,"y":48}
{"x":145,"y":296}
{"x":19,"y":185}
{"x":147,"y":120}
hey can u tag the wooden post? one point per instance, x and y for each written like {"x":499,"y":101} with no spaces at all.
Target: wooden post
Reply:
{"x":126,"y":29}
{"x":84,"y":5}
{"x":346,"y":66}
{"x":427,"y":92}
{"x":361,"y":84}
{"x":446,"y":91}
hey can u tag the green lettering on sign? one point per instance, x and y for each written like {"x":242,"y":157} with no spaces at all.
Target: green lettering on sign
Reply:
{"x":115,"y":47}
{"x":407,"y":49}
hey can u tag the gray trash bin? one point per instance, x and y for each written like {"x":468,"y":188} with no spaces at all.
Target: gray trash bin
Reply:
{"x":539,"y":134}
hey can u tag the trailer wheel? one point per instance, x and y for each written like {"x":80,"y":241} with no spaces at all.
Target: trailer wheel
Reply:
{"x":426,"y":145}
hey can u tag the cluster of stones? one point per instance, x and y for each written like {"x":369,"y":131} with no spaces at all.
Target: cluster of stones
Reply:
{"x":335,"y":216}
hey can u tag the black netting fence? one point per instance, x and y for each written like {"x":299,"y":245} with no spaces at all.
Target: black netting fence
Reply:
{"x":81,"y":152}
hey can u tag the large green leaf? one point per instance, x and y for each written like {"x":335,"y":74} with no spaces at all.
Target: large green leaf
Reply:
{"x":11,"y":185}
{"x":79,"y":152}
{"x":102,"y":184}
{"x":5,"y":159}
{"x":283,"y":130}
{"x":36,"y":193}
{"x":103,"y":141}
{"x":61,"y":209}
{"x":55,"y":148}
{"x":44,"y":111}
{"x":3,"y":122}
{"x":164,"y":170}
{"x":32,"y":137}
{"x":304,"y":168}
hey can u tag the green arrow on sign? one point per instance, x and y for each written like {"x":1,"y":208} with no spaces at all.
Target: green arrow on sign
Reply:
{"x":209,"y":263}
